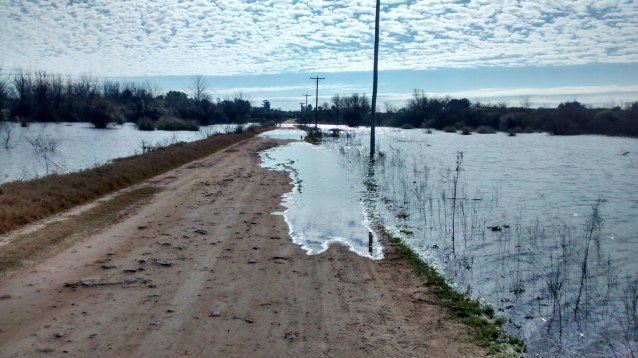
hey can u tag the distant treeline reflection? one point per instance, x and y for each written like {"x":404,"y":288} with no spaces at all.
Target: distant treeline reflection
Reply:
{"x":44,"y":97}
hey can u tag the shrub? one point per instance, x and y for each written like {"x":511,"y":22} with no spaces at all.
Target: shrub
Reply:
{"x":99,"y":113}
{"x":145,"y":124}
{"x":239,"y":129}
{"x":450,"y":129}
{"x":176,"y":124}
{"x":485,"y":130}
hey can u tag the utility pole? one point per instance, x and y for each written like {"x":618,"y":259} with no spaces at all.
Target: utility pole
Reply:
{"x":317,"y":97}
{"x":375,"y":78}
{"x":306,"y":95}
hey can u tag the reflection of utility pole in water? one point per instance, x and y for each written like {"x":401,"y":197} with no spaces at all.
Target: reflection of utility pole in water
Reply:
{"x":370,"y":237}
{"x":371,"y":189}
{"x":317,"y":97}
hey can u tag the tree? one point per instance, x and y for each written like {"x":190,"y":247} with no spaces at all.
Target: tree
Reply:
{"x":266,"y":105}
{"x":526,"y":103}
{"x":199,"y":95}
{"x":4,"y":93}
{"x":354,"y":109}
{"x":99,"y":112}
{"x":417,"y":109}
{"x":23,"y":85}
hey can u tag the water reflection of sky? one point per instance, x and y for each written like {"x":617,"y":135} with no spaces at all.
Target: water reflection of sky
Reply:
{"x":541,"y":186}
{"x":284,"y":133}
{"x":326,"y":205}
{"x":81,"y":146}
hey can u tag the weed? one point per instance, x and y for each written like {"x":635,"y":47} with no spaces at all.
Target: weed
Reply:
{"x":487,"y":333}
{"x":145,"y":124}
{"x":6,"y":130}
{"x":176,"y":124}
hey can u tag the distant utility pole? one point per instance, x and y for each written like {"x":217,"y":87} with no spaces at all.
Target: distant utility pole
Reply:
{"x":306,"y":95}
{"x":375,"y":77}
{"x":317,"y":97}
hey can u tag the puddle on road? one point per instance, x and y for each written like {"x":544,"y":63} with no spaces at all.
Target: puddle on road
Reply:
{"x":284,"y":133}
{"x":326,"y":205}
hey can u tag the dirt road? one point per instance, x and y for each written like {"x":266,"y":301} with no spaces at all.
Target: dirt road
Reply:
{"x":205,"y":270}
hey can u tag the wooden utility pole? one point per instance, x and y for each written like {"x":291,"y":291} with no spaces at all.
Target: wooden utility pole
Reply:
{"x":306,"y":95}
{"x":317,"y":97}
{"x":375,"y":78}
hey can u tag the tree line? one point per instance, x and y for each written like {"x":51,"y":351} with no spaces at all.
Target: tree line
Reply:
{"x":451,"y":114}
{"x":44,"y":97}
{"x":40,"y":96}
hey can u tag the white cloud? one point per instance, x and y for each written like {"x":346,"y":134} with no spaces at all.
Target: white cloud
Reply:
{"x":274,"y":36}
{"x":605,"y":96}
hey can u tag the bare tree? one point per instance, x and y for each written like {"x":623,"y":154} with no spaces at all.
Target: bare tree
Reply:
{"x":6,"y":130}
{"x":199,"y":94}
{"x":4,"y":93}
{"x":23,"y":85}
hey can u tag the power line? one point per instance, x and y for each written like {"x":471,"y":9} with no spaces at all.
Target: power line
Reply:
{"x":317,"y":97}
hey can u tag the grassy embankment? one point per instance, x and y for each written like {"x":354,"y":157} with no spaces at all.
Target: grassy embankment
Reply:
{"x":487,"y":327}
{"x":25,"y":202}
{"x":46,"y":239}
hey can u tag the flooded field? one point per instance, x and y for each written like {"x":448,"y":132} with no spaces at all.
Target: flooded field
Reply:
{"x":46,"y":148}
{"x":541,"y":227}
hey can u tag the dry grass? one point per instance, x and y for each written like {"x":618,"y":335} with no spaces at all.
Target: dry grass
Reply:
{"x":42,"y":241}
{"x":22,"y":203}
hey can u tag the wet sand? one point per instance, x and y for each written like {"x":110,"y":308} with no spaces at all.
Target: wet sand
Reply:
{"x":205,"y":270}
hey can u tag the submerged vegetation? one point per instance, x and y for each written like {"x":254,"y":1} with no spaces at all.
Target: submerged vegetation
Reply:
{"x":488,"y":327}
{"x":565,"y":284}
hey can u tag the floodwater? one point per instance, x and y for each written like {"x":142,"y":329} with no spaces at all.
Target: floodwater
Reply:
{"x":319,"y":211}
{"x":528,"y":212}
{"x":286,"y":132}
{"x":46,"y":148}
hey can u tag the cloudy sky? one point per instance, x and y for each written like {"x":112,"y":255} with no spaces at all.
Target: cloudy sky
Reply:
{"x":498,"y":50}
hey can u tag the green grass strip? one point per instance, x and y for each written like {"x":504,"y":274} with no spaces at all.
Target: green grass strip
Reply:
{"x":487,"y":328}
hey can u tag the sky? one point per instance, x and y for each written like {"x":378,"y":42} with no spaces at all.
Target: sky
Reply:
{"x":493,"y":51}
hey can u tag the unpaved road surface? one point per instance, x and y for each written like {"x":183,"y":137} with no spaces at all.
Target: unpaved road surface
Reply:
{"x":205,"y":270}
